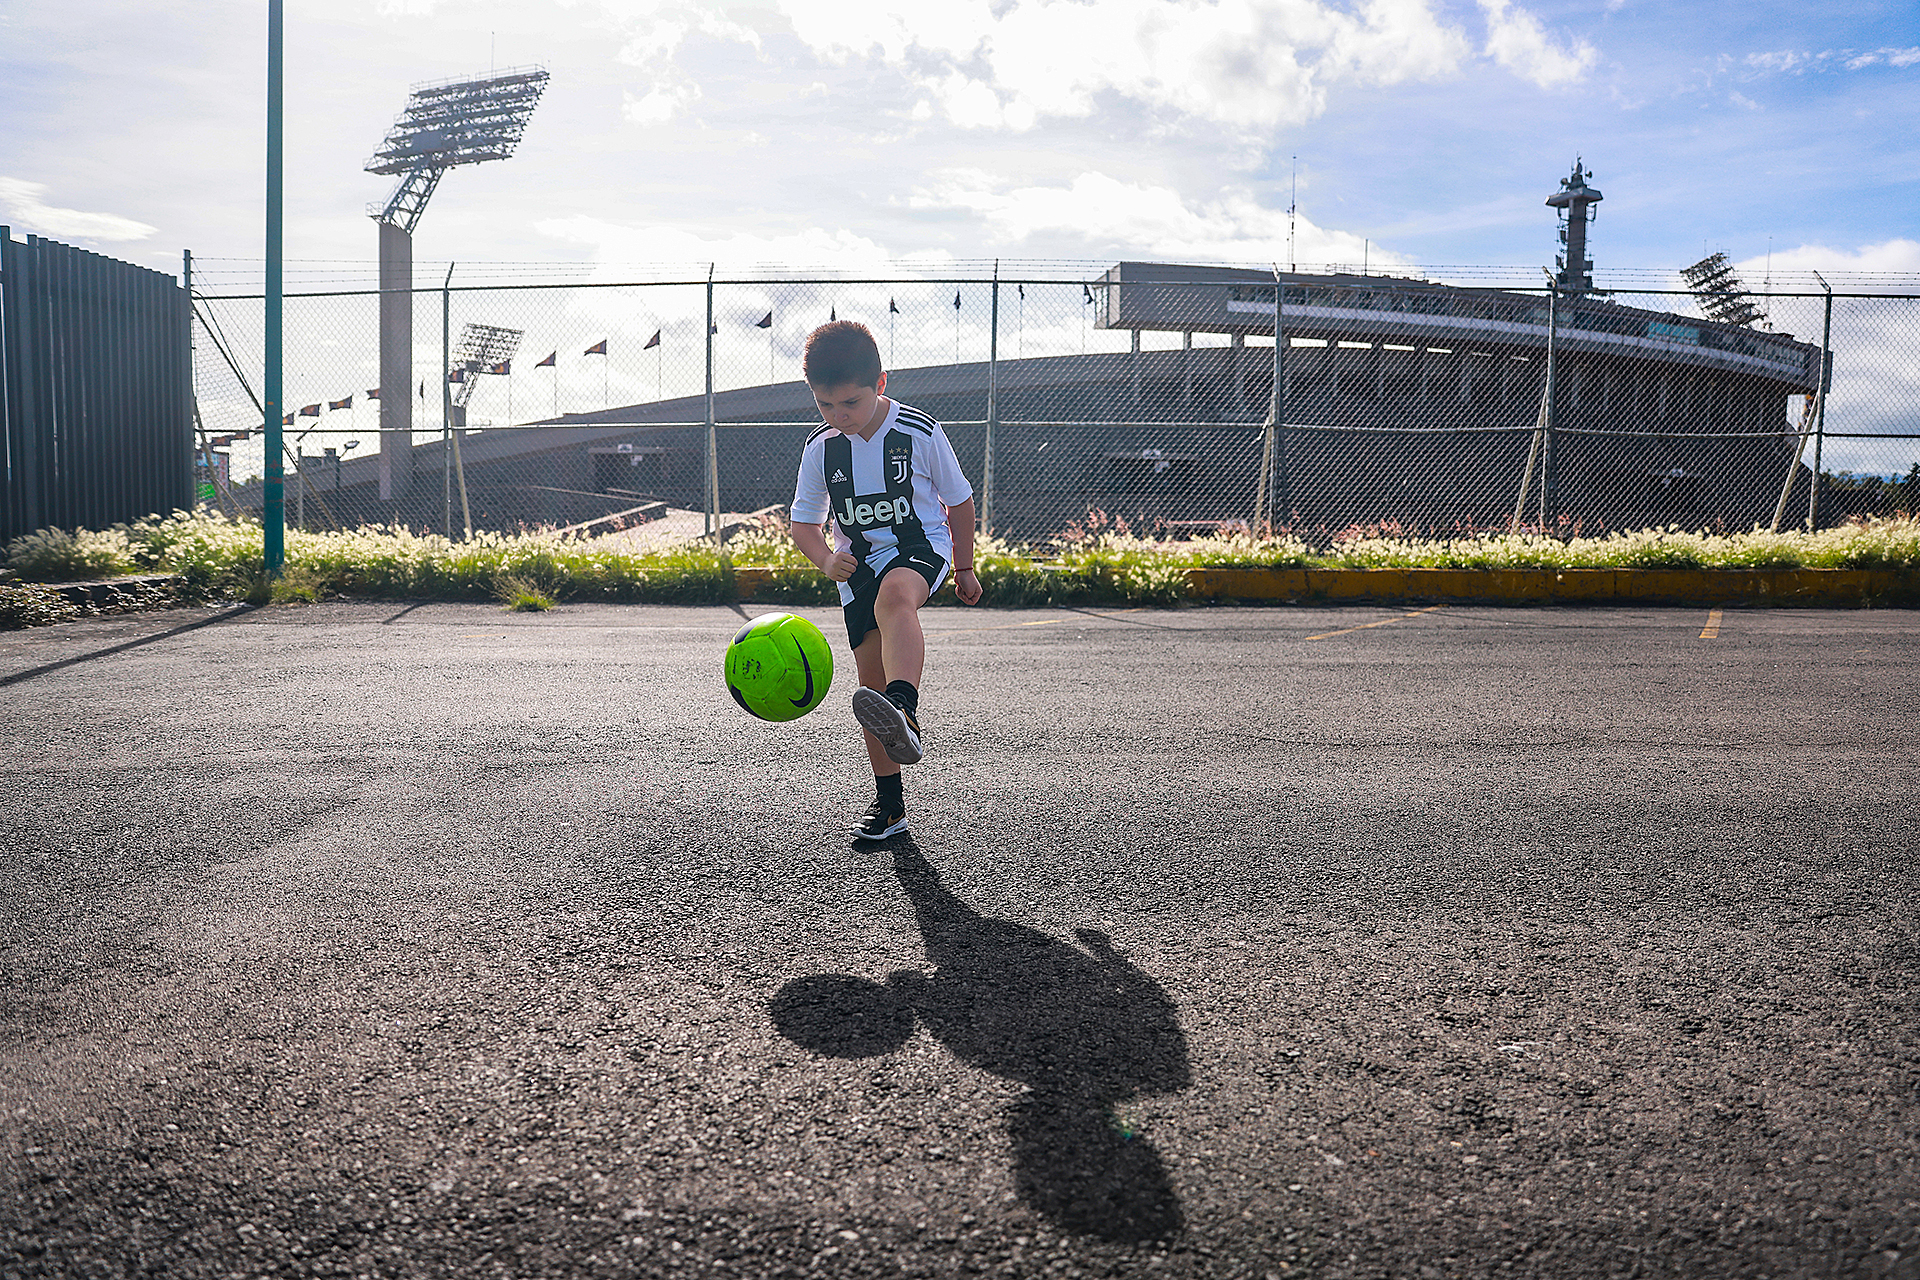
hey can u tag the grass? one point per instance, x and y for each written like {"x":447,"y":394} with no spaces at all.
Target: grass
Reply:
{"x":1098,"y":561}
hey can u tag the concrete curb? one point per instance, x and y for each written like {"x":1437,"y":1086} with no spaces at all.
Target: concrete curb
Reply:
{"x":108,"y":592}
{"x":1809,"y":588}
{"x":1820,"y":588}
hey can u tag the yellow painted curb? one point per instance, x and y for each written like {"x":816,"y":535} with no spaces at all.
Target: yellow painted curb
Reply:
{"x":746,"y":582}
{"x":1830,"y":588}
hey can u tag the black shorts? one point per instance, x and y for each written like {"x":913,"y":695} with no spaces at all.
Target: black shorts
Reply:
{"x":859,"y":610}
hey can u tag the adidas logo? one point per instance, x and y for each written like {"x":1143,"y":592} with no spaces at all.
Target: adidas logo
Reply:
{"x":839,"y":477}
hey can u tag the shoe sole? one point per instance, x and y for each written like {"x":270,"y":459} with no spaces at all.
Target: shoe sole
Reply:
{"x":888,"y":724}
{"x":861,"y":833}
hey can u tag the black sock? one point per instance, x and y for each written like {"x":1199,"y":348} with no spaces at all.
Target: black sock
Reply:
{"x":902,"y":694}
{"x":888,"y":787}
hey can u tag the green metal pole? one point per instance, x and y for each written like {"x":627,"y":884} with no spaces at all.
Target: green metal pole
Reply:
{"x":273,"y":516}
{"x":446,"y":400}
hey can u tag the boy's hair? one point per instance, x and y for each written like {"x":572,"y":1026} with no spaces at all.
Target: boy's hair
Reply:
{"x":842,"y":352}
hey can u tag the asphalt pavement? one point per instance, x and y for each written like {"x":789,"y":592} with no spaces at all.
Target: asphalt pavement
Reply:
{"x":373,"y":939}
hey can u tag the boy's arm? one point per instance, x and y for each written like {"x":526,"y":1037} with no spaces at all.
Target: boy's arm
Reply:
{"x":812,"y":541}
{"x":966,"y":584}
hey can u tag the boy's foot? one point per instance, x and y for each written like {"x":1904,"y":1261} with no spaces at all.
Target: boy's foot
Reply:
{"x":895,"y":728}
{"x":882,"y":820}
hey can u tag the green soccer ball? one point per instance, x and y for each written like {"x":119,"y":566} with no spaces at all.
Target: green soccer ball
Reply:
{"x":779,"y":667}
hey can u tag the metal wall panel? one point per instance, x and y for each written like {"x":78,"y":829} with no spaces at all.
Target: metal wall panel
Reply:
{"x":95,"y":389}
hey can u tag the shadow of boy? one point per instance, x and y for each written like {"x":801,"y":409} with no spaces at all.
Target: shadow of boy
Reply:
{"x":1082,"y":1030}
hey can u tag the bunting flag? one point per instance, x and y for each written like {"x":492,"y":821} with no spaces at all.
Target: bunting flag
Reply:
{"x":833,"y":314}
{"x":309,"y":410}
{"x":892,"y":310}
{"x":1023,"y":292}
{"x":503,"y":368}
{"x":956,"y":299}
{"x":287,"y":421}
{"x":373,"y":393}
{"x":458,"y":375}
{"x":652,"y":342}
{"x":765,"y":322}
{"x":549,"y":360}
{"x":423,"y":388}
{"x":597,"y":349}
{"x":1086,"y":295}
{"x":341,"y":404}
{"x":713,"y":329}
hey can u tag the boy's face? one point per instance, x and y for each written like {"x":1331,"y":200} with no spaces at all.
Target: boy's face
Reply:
{"x":850,"y":407}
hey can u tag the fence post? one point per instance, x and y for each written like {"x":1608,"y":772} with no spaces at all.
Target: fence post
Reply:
{"x":712,"y":479}
{"x":273,"y":515}
{"x":993,"y":406}
{"x":186,"y":356}
{"x":446,"y":402}
{"x":1549,"y":438}
{"x":1820,"y":409}
{"x":1276,"y":471}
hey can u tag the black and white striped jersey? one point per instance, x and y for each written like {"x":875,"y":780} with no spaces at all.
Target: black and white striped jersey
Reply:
{"x":884,"y":495}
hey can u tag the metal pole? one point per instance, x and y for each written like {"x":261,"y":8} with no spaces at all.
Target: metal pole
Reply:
{"x":713,"y":461}
{"x":1550,"y":450}
{"x":446,"y":402}
{"x":193,"y":415}
{"x":993,"y":406}
{"x":273,"y":514}
{"x":1820,"y":410}
{"x":466,"y":512}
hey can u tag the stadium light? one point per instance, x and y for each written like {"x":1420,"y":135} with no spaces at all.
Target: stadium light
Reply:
{"x":1721,"y":293}
{"x":446,"y":124}
{"x":482,"y":347}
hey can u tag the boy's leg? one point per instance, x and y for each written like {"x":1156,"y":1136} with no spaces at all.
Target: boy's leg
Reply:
{"x":873,"y":675}
{"x":887,"y":815}
{"x":889,"y":710}
{"x":897,"y":609}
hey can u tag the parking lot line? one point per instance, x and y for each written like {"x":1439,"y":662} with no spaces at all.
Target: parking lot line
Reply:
{"x":1383,"y":622}
{"x":1712,"y":630}
{"x":1015,"y":626}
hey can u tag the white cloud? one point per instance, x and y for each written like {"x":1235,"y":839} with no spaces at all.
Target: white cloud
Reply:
{"x":1096,"y":215}
{"x":659,"y":31}
{"x":28,"y":212}
{"x":663,"y":104}
{"x":1892,"y":57}
{"x":1743,"y":101}
{"x":1517,"y":41}
{"x":1247,"y":66}
{"x":615,"y":244}
{"x":1897,"y":256}
{"x":1779,"y":60}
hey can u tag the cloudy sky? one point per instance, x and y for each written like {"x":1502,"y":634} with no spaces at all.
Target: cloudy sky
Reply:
{"x":849,"y":132}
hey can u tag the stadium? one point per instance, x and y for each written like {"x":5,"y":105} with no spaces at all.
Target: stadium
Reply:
{"x":1403,"y":401}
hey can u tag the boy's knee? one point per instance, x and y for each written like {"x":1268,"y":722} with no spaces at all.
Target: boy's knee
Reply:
{"x":904,"y":590}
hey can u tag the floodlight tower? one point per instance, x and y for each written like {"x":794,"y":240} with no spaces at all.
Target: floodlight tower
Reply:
{"x":1721,"y":293}
{"x":446,"y":123}
{"x":1573,"y":200}
{"x":483,"y":348}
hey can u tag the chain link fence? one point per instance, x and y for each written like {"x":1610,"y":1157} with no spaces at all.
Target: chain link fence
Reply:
{"x":1150,"y":394}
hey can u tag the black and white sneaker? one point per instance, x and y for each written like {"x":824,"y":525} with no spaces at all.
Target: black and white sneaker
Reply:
{"x":895,"y":728}
{"x":882,"y":820}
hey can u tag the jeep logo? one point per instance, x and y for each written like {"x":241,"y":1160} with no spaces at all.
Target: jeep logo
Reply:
{"x":868,"y":515}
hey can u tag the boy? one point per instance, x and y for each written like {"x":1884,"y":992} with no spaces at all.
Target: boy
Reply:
{"x":903,"y":515}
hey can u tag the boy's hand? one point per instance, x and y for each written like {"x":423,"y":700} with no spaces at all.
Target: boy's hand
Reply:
{"x":966,"y":585}
{"x":841,"y":566}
